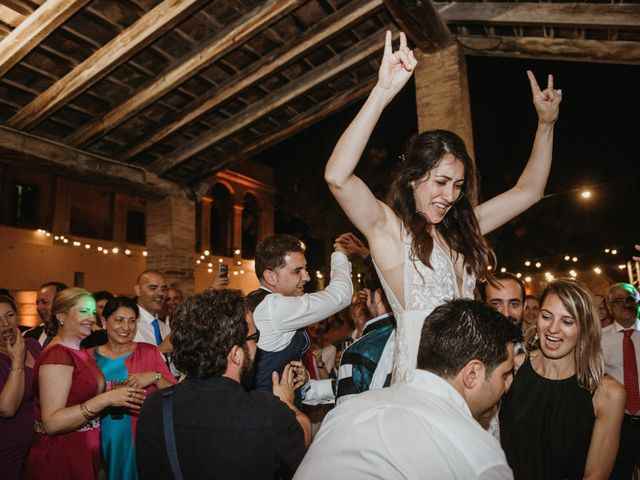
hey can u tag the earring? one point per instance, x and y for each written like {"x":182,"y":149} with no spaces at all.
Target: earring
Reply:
{"x":535,"y":338}
{"x":61,"y":323}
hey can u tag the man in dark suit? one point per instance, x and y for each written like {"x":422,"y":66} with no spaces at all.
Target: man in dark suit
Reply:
{"x":44,"y":301}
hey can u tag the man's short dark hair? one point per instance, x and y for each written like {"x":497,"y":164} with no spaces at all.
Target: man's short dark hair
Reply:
{"x":59,"y":286}
{"x":103,"y":295}
{"x":462,"y":330}
{"x":205,"y":328}
{"x":271,"y":251}
{"x":370,"y":279}
{"x":500,"y":277}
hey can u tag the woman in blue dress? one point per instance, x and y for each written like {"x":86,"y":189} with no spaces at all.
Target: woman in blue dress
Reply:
{"x":125,"y":362}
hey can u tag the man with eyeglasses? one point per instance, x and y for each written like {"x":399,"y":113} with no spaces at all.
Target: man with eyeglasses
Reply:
{"x":621,"y":350}
{"x":220,"y":428}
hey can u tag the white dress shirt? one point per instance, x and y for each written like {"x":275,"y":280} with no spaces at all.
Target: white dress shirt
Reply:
{"x":422,"y":429}
{"x":612,"y":348}
{"x":145,"y":332}
{"x":278,"y":316}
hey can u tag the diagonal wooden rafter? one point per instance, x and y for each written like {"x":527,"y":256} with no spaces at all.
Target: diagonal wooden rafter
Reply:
{"x":597,"y":51}
{"x":236,"y":34}
{"x":35,"y":28}
{"x":296,"y":124}
{"x":317,"y":35}
{"x":81,"y":164}
{"x":336,"y":65}
{"x":155,"y":23}
{"x":575,"y":15}
{"x":422,"y":23}
{"x":17,"y":6}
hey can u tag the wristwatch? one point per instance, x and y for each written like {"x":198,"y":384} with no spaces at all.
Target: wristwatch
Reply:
{"x":157,"y":377}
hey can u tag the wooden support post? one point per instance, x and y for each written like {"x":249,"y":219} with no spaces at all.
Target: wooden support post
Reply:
{"x":442,"y":93}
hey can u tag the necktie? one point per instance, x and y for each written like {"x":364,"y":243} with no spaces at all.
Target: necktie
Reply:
{"x":156,"y":331}
{"x":630,"y":373}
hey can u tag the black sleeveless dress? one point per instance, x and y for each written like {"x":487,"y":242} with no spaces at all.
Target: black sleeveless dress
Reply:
{"x":545,"y":426}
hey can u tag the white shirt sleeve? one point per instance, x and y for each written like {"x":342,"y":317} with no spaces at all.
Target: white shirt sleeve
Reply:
{"x":320,"y":391}
{"x":278,"y":315}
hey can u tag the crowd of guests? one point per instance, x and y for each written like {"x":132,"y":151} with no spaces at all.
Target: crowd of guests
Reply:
{"x":409,"y":377}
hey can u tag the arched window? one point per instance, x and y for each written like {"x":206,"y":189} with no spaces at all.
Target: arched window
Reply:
{"x":221,"y":220}
{"x":250,"y":226}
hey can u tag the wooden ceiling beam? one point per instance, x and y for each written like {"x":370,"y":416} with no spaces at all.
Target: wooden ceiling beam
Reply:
{"x":81,"y":164}
{"x":17,"y":6}
{"x":315,"y":36}
{"x":336,"y":65}
{"x":598,"y":51}
{"x":576,"y":15}
{"x":297,"y":124}
{"x":422,"y":23}
{"x":35,"y":28}
{"x":237,"y":33}
{"x":149,"y":27}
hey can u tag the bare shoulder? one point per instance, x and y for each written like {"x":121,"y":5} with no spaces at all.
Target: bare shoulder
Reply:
{"x":610,"y":395}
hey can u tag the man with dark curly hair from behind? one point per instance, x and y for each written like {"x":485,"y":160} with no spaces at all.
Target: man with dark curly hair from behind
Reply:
{"x":221,"y":430}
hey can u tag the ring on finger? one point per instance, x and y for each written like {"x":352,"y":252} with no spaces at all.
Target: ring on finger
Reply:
{"x":130,"y":394}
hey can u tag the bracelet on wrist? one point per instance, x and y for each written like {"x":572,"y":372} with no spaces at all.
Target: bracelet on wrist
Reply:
{"x":16,"y":369}
{"x":86,"y":412}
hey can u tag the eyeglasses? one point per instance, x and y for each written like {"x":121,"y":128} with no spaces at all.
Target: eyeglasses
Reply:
{"x":619,"y":301}
{"x":255,"y":337}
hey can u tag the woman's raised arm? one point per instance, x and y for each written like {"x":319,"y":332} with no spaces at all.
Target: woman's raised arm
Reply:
{"x":363,"y":209}
{"x":530,"y":186}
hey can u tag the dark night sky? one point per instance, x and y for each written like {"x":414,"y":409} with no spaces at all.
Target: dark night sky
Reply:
{"x":595,"y":142}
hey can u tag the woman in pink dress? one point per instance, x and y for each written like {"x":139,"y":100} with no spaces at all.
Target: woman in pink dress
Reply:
{"x":17,"y":357}
{"x":69,"y":392}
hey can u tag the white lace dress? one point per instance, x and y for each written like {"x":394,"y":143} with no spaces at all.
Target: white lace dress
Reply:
{"x":424,"y":290}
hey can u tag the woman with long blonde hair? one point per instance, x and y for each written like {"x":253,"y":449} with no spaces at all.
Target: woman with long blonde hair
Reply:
{"x":561,"y":418}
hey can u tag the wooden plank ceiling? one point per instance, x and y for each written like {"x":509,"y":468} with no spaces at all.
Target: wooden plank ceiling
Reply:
{"x":182,"y":88}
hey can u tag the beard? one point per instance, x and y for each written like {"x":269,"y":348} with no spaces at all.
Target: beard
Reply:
{"x":248,"y":371}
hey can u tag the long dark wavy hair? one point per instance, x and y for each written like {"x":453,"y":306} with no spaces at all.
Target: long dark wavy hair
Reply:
{"x":459,"y":227}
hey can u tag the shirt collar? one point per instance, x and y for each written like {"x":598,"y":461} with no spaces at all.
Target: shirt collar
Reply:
{"x":145,"y":315}
{"x":619,"y":328}
{"x":432,"y":383}
{"x":374,"y":320}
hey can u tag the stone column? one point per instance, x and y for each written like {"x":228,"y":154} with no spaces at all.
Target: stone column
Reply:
{"x":171,"y":237}
{"x":237,"y":226}
{"x":205,"y":223}
{"x":442,"y":93}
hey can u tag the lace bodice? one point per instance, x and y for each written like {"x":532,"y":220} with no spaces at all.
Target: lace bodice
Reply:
{"x":425,"y":288}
